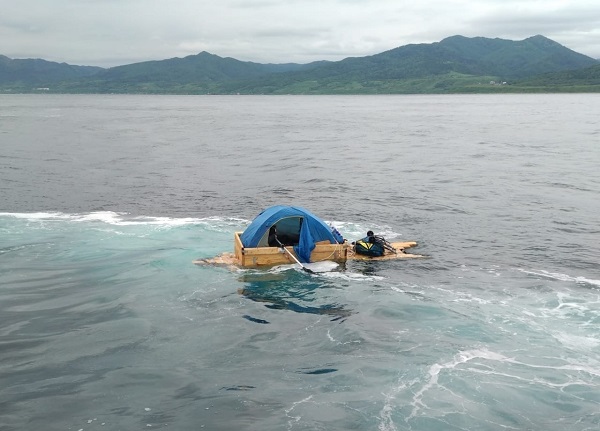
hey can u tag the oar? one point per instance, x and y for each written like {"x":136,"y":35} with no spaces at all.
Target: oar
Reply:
{"x":310,"y":271}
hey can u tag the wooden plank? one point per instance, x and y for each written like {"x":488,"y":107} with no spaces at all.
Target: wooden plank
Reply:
{"x":238,"y":247}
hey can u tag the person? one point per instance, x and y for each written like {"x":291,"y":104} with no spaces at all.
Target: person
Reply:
{"x":373,"y":245}
{"x":273,"y":240}
{"x":369,"y":245}
{"x":370,"y":237}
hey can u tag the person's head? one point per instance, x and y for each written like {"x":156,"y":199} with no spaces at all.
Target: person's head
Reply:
{"x":370,"y":233}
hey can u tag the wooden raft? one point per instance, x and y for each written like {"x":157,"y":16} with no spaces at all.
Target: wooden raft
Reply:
{"x":271,"y":256}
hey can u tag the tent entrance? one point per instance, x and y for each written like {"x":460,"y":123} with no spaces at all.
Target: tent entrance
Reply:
{"x":288,"y":231}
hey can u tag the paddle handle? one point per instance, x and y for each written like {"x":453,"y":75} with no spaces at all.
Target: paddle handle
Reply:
{"x":294,"y":257}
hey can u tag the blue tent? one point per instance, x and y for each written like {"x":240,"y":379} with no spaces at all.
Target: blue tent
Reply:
{"x":295,"y":225}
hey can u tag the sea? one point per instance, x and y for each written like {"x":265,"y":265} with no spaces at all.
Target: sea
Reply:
{"x":107,"y":324}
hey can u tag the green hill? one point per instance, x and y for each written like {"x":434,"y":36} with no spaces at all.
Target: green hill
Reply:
{"x":201,"y":67}
{"x":36,"y":72}
{"x":472,"y":56}
{"x":510,"y":60}
{"x":454,"y":65}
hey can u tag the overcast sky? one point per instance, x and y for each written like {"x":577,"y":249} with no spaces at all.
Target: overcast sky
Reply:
{"x":113,"y":32}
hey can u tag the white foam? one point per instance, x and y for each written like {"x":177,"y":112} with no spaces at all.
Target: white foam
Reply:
{"x":577,"y":342}
{"x":584,"y":373}
{"x":38,"y":215}
{"x":327,"y":269}
{"x":562,"y":277}
{"x":434,"y":371}
{"x":296,"y":418}
{"x":324,"y":266}
{"x":385,"y":414}
{"x":124,"y":219}
{"x":412,"y":290}
{"x":314,"y":267}
{"x":283,"y":268}
{"x":351,"y":276}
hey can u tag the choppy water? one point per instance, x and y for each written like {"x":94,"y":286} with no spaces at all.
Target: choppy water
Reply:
{"x":106,"y":324}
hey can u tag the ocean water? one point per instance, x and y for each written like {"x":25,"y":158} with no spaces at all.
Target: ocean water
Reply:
{"x":105,"y":323}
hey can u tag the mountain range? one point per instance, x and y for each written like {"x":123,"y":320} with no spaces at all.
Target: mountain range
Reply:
{"x":456,"y":64}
